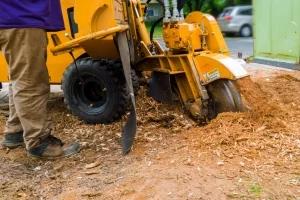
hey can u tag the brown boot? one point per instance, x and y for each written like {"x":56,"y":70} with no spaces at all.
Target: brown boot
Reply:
{"x":13,"y":140}
{"x":52,"y":148}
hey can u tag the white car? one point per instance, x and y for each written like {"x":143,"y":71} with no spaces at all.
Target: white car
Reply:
{"x":236,"y":20}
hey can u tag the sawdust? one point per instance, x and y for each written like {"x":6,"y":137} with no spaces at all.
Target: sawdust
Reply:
{"x":172,"y":158}
{"x":259,"y":102}
{"x":268,"y":133}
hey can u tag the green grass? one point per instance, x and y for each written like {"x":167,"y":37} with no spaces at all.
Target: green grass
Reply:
{"x":255,"y":188}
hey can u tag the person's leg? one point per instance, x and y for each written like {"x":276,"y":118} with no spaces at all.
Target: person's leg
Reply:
{"x":13,"y":132}
{"x":26,"y":52}
{"x":13,"y":124}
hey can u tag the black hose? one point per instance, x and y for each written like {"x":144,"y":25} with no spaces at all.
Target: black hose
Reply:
{"x":153,"y":27}
{"x":157,"y":21}
{"x":180,"y":4}
{"x":146,"y":8}
{"x":161,"y":3}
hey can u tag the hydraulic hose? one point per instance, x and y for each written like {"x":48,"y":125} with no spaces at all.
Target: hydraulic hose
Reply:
{"x":153,"y":27}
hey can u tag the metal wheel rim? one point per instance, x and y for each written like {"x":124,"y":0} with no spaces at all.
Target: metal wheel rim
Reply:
{"x":91,"y":96}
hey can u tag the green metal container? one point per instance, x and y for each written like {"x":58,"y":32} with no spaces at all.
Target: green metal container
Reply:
{"x":277,"y":32}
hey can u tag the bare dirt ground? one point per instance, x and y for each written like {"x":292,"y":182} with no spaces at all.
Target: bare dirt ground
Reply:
{"x":253,"y":155}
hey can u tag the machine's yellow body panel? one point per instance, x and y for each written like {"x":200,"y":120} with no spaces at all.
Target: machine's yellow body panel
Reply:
{"x":216,"y":66}
{"x":95,"y":16}
{"x":3,"y":70}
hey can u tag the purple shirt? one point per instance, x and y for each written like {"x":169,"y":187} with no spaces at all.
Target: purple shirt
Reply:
{"x":45,"y":14}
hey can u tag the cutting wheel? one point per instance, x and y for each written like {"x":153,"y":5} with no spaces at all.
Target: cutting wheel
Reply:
{"x":224,"y":97}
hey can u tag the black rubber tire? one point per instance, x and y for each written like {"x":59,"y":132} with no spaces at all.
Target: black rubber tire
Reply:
{"x":135,"y":82}
{"x":242,"y":33}
{"x":103,"y":97}
{"x":223,"y":97}
{"x":134,"y":78}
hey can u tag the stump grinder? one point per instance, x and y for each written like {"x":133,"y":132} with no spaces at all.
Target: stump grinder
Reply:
{"x":110,"y":46}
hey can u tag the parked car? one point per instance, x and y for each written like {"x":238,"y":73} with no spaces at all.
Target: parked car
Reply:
{"x":236,"y":20}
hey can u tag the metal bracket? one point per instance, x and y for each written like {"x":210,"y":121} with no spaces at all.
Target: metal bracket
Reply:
{"x":160,"y":87}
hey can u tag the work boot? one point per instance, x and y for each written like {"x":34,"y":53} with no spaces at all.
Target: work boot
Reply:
{"x":52,"y":148}
{"x":13,"y":140}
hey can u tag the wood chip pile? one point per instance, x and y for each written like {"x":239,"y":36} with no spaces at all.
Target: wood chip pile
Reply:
{"x":267,"y":135}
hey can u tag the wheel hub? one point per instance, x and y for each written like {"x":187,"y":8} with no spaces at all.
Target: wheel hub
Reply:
{"x":246,"y":31}
{"x":91,"y":95}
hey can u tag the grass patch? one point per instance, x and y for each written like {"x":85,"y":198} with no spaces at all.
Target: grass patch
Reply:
{"x":255,"y":188}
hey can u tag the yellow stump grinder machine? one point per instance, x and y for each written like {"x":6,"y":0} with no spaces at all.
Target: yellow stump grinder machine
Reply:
{"x":109,"y":43}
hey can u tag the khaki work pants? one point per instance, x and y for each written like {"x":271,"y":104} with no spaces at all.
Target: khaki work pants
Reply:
{"x":25,"y":51}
